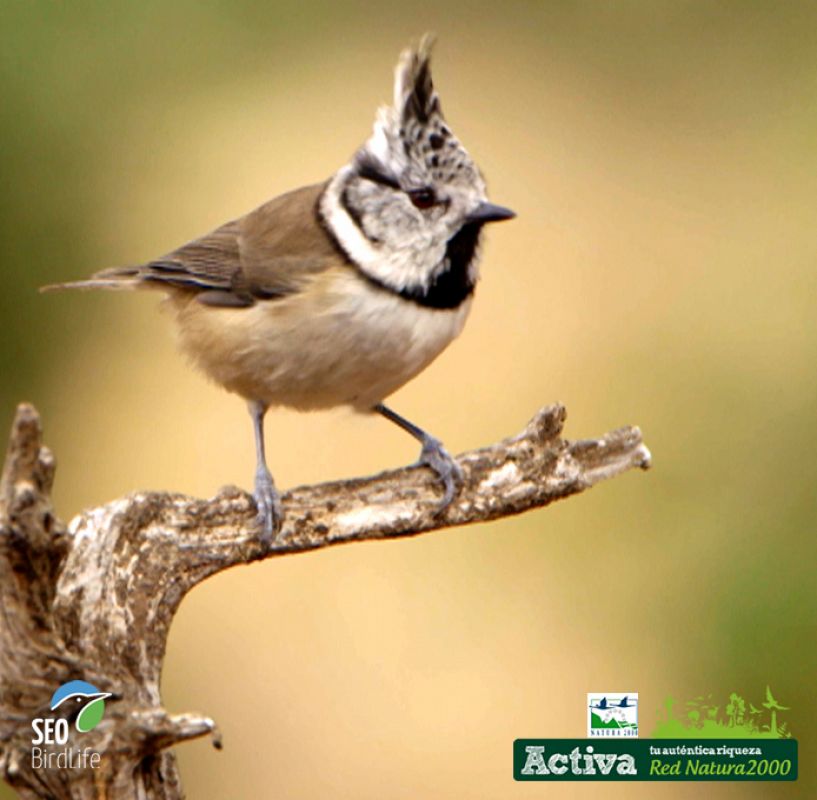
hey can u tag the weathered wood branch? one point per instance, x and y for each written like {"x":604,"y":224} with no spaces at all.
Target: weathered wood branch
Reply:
{"x":94,"y":601}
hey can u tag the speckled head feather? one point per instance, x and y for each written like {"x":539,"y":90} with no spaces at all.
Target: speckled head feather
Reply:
{"x":414,"y":91}
{"x":412,"y":136}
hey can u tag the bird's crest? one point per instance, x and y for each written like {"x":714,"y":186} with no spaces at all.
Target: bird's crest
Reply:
{"x":411,"y":137}
{"x":414,"y":95}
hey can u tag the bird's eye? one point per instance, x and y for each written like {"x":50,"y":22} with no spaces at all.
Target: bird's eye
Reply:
{"x":423,"y":198}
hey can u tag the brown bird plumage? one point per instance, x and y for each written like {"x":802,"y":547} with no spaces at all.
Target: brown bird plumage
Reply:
{"x":270,"y":252}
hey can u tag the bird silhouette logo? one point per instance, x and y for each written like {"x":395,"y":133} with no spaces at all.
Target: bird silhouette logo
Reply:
{"x":612,"y":714}
{"x":84,"y":700}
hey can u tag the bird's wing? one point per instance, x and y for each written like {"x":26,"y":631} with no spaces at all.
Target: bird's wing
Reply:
{"x":210,"y":262}
{"x":271,"y":252}
{"x":283,"y":244}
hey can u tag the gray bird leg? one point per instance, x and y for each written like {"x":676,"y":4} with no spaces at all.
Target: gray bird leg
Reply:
{"x":267,"y":499}
{"x":432,"y":455}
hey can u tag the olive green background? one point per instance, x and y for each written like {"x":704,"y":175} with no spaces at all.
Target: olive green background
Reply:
{"x":662,"y":159}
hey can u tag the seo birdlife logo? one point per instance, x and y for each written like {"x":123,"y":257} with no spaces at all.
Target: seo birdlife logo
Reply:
{"x":82,"y":697}
{"x":77,"y":701}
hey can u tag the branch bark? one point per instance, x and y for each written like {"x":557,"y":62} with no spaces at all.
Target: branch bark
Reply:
{"x":94,"y":601}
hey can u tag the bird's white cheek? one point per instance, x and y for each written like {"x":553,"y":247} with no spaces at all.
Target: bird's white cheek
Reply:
{"x":409,"y":250}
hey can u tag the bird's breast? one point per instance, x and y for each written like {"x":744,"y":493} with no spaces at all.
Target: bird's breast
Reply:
{"x":340,"y":341}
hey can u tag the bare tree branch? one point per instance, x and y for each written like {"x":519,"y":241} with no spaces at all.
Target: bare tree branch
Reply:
{"x":95,"y":601}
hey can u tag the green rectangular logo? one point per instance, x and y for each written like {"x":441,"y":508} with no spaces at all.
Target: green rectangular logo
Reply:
{"x":655,"y":760}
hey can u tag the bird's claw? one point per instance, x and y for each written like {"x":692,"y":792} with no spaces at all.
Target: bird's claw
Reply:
{"x":434,"y":455}
{"x":268,"y":503}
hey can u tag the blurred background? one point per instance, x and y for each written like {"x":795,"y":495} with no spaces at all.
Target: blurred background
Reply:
{"x":661,"y":272}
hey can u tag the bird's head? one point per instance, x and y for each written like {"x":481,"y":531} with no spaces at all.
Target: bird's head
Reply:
{"x":411,"y":190}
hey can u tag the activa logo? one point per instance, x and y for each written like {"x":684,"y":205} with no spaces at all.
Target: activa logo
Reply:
{"x":577,"y":763}
{"x":79,"y":702}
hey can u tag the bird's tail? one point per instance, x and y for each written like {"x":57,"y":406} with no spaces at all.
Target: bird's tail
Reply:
{"x":116,"y":278}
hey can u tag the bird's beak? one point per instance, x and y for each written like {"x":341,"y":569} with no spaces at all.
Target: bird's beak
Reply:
{"x":100,"y":695}
{"x":488,"y":212}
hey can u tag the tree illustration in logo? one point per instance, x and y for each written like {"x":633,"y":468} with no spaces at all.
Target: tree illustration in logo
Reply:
{"x":754,"y":713}
{"x":701,"y":720}
{"x":735,"y":710}
{"x":774,"y":707}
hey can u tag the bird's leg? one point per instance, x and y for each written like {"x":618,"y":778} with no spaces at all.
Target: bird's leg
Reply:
{"x":267,"y":499}
{"x":432,"y":455}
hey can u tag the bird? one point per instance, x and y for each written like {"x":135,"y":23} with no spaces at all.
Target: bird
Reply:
{"x":82,"y":699}
{"x":340,"y":292}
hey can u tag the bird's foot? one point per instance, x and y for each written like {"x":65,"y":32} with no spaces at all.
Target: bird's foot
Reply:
{"x":434,"y":455}
{"x":268,"y":503}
